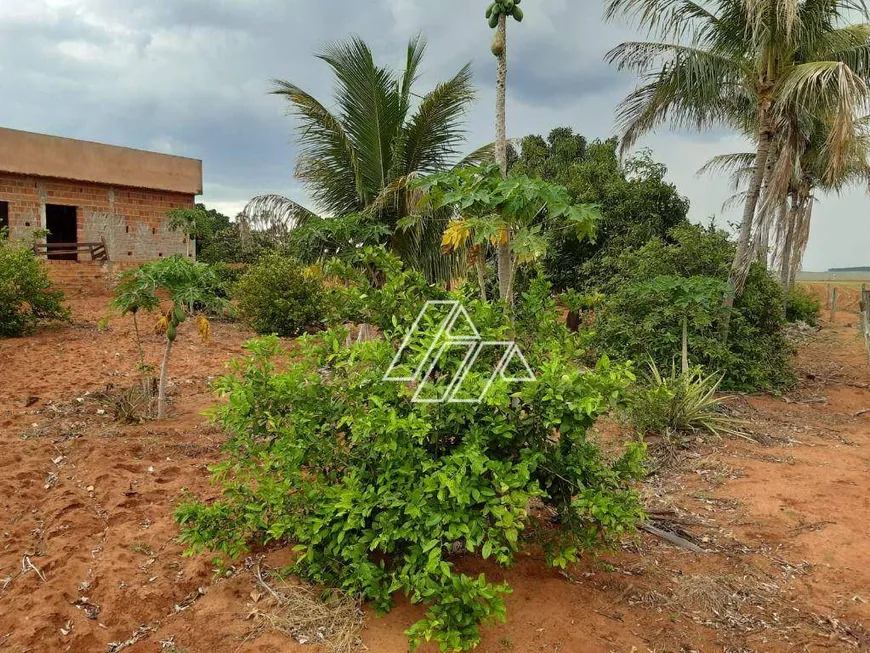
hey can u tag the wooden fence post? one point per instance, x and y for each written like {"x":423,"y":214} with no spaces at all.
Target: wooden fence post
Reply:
{"x":828,"y":296}
{"x":834,"y":297}
{"x":865,"y":317}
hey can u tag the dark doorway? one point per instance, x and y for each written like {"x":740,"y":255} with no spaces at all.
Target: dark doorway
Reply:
{"x":4,"y":215}
{"x":61,"y":222}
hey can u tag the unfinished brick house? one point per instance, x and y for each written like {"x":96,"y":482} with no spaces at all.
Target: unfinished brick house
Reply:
{"x":99,"y":202}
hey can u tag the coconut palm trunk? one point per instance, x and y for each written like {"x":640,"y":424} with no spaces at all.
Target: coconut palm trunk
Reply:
{"x":742,"y":257}
{"x":792,"y":217}
{"x":504,"y":247}
{"x":802,"y":233}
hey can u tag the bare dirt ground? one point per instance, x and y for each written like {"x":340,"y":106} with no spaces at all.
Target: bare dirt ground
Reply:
{"x":89,"y":561}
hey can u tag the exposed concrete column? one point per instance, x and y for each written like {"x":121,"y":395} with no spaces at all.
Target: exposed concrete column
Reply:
{"x":43,"y":198}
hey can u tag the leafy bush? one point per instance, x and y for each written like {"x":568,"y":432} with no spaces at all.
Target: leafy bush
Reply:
{"x":26,"y":298}
{"x":227,"y":275}
{"x":635,"y":325}
{"x":277,"y":295}
{"x":375,"y":287}
{"x":230,"y":245}
{"x":379,"y":493}
{"x":681,"y":403}
{"x":802,"y":305}
{"x":635,"y":201}
{"x":341,"y":237}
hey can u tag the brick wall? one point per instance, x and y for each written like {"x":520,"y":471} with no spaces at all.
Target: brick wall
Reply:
{"x":86,"y":277}
{"x":132,"y":220}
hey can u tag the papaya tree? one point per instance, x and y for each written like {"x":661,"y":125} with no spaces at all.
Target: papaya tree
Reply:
{"x":497,"y":14}
{"x":689,"y":299}
{"x":489,"y":210}
{"x":178,"y":288}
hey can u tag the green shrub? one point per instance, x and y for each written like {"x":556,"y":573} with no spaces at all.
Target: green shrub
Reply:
{"x":681,"y":403}
{"x":802,"y":305}
{"x":278,"y":296}
{"x":26,"y":297}
{"x":230,"y":245}
{"x":378,"y":492}
{"x":632,"y":325}
{"x":374,"y":287}
{"x":228,"y":275}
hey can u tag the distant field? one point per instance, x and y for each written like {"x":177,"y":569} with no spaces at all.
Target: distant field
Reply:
{"x":848,"y":285}
{"x":840,"y":277}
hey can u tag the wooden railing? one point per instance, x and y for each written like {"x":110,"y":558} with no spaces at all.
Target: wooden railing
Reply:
{"x":97,"y":251}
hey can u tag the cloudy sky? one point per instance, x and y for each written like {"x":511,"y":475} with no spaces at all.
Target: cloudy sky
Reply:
{"x":191,"y":77}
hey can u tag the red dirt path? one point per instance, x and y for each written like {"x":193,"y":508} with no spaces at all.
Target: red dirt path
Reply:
{"x":88,"y":503}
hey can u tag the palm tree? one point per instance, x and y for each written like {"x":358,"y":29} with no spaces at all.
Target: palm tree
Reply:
{"x":814,"y":172}
{"x":801,"y":164}
{"x":359,"y":156}
{"x":744,"y":64}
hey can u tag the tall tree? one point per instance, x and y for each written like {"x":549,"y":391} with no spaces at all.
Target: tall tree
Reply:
{"x":360,"y":157}
{"x":635,"y":201}
{"x":497,"y":14}
{"x":720,"y":61}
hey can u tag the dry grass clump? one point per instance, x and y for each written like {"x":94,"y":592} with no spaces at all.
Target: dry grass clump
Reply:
{"x":731,"y":601}
{"x":310,"y":615}
{"x":130,"y":405}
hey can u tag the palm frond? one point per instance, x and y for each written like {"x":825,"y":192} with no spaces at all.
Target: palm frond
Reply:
{"x":328,"y":163}
{"x":435,"y":131}
{"x":693,"y":88}
{"x":371,"y":110}
{"x":274,"y":214}
{"x":483,"y":154}
{"x":729,"y":164}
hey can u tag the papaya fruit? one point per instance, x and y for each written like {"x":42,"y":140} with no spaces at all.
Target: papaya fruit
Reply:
{"x":518,"y":14}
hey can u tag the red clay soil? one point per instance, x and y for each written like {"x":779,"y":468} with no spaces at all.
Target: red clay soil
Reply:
{"x":89,"y":561}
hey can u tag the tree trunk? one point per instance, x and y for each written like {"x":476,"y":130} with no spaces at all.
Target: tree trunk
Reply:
{"x":742,"y":257}
{"x":142,"y":376}
{"x":685,"y":345}
{"x":504,"y":249}
{"x":765,"y":215}
{"x":480,"y":264}
{"x":801,"y":235}
{"x":788,"y":246}
{"x":164,"y":372}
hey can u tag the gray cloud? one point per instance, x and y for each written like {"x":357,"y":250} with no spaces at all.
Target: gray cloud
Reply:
{"x":191,"y":77}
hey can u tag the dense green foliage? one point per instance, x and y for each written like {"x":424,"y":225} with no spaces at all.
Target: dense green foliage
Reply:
{"x":379,"y":493}
{"x":277,"y":295}
{"x":635,"y":202}
{"x":491,"y":211}
{"x":637,"y":325}
{"x":374,"y":287}
{"x":802,"y":305}
{"x":231,"y":245}
{"x":339,"y":237}
{"x":26,"y":297}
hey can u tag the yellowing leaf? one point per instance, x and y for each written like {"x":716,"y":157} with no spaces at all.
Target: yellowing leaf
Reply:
{"x":455,"y":236}
{"x":162,"y":325}
{"x":204,"y":328}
